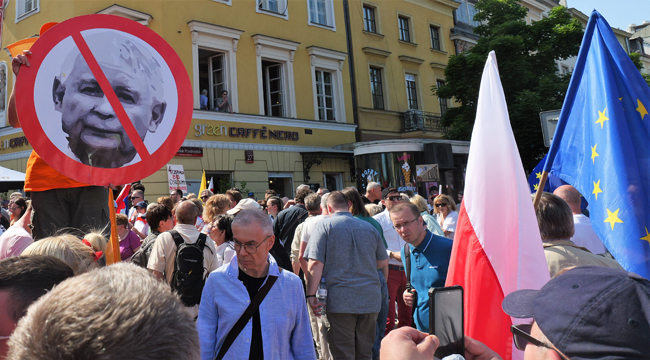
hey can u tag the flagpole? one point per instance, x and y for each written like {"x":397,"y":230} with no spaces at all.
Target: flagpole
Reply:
{"x":540,"y":189}
{"x":113,"y":248}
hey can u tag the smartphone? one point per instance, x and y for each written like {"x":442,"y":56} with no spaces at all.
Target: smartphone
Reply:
{"x":446,"y":320}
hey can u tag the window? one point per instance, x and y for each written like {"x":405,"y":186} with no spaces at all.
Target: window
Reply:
{"x":325,"y":95}
{"x":411,"y":92}
{"x":435,"y":37}
{"x":25,"y":8}
{"x":273,"y":89}
{"x":565,"y":70}
{"x":321,"y":12}
{"x":376,"y":88}
{"x":404,"y":31}
{"x":212,"y":76}
{"x":444,"y":105}
{"x":275,"y":6}
{"x":369,"y":23}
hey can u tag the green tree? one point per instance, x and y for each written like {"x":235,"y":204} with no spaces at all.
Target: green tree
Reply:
{"x":527,"y":56}
{"x":636,"y":59}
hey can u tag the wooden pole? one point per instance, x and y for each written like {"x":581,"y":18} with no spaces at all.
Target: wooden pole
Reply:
{"x":113,"y":247}
{"x":540,"y":189}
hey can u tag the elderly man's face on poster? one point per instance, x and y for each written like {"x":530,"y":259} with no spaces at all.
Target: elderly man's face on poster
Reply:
{"x":94,"y":131}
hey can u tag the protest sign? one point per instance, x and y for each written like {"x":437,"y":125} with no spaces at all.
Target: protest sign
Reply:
{"x":176,"y":178}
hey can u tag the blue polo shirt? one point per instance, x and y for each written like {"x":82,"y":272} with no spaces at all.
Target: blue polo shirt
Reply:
{"x":429,"y":264}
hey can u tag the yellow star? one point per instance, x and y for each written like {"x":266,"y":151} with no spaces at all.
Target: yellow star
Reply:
{"x":596,"y":189}
{"x":601,"y":117}
{"x":539,"y":175}
{"x":612,"y":218}
{"x":594,"y":154}
{"x":641,"y":109}
{"x":620,"y":98}
{"x":647,"y":235}
{"x":536,"y":186}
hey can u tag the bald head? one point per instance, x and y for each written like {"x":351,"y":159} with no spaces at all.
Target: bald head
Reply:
{"x":572,"y":197}
{"x":186,"y":213}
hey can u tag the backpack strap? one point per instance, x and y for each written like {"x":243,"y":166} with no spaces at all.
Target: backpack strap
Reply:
{"x":250,"y":310}
{"x":178,"y":239}
{"x":201,"y":241}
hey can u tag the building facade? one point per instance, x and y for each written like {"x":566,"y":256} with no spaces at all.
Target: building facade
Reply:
{"x":283,"y":63}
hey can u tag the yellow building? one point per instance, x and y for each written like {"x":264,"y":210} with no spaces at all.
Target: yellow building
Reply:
{"x":283,"y":62}
{"x":400,"y":50}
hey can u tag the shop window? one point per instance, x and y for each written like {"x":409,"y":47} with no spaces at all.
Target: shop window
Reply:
{"x":435,"y":37}
{"x":369,"y":22}
{"x":333,"y":182}
{"x":282,"y":183}
{"x":25,"y":8}
{"x":321,"y":12}
{"x":444,"y":103}
{"x":325,"y":95}
{"x":212,"y":77}
{"x":404,"y":28}
{"x":376,"y":86}
{"x":273,"y":89}
{"x":411,"y":91}
{"x":222,"y":180}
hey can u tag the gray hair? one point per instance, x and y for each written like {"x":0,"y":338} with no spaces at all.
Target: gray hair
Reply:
{"x":323,"y":200}
{"x":554,"y":218}
{"x":312,"y":202}
{"x":302,"y":186}
{"x":254,"y":216}
{"x":371,"y":185}
{"x":117,"y":312}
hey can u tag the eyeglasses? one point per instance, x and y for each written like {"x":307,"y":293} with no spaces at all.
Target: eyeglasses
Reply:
{"x":250,"y":248}
{"x":521,"y":335}
{"x":135,"y":197}
{"x":14,"y":208}
{"x":395,"y":198}
{"x":204,"y":197}
{"x":441,"y":205}
{"x":400,"y":226}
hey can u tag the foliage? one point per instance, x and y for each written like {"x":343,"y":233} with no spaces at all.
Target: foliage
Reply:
{"x":636,"y":59}
{"x":527,"y":56}
{"x":647,"y":78}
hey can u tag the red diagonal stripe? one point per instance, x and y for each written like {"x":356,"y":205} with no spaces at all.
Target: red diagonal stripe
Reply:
{"x":106,"y":87}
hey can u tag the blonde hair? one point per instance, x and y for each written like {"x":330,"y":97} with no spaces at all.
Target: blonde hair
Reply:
{"x":67,"y":247}
{"x":216,"y":204}
{"x":97,"y":240}
{"x":191,"y":196}
{"x":373,"y":209}
{"x":445,"y":198}
{"x":420,"y":202}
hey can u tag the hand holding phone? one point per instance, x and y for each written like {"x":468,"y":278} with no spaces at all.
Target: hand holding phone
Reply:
{"x":446,"y":320}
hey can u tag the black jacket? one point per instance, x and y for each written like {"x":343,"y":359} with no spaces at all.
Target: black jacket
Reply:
{"x":284,"y":227}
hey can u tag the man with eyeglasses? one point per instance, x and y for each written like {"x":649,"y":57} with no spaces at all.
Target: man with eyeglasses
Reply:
{"x":587,"y":312}
{"x":430,"y":256}
{"x":396,"y":276}
{"x":136,"y":197}
{"x":279,"y":328}
{"x":163,"y":255}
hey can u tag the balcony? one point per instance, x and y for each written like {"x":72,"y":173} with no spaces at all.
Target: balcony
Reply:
{"x":417,"y":120}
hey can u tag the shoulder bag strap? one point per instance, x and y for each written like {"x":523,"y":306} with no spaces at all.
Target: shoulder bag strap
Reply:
{"x":250,"y":310}
{"x":407,"y":262}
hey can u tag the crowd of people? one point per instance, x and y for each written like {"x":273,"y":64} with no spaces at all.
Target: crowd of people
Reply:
{"x":229,"y":277}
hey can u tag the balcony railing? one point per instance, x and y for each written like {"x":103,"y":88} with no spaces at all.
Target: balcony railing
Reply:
{"x":417,"y":120}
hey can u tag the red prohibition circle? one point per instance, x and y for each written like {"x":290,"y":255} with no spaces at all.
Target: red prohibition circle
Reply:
{"x":61,"y":162}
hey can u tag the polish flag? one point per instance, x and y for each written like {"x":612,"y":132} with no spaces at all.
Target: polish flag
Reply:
{"x":122,"y":198}
{"x":211,"y":186}
{"x":497,"y":246}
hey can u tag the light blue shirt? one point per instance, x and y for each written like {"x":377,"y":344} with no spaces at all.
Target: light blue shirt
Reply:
{"x":286,"y":331}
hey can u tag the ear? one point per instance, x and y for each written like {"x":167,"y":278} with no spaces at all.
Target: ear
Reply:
{"x":157,"y":114}
{"x":58,"y":91}
{"x":383,"y":202}
{"x":271,"y":241}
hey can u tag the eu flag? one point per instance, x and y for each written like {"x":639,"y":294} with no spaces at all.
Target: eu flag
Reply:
{"x":552,"y":182}
{"x":602,"y":145}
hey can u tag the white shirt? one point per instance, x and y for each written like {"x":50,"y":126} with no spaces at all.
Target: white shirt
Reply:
{"x":309,"y":226}
{"x":449,"y":224}
{"x":394,"y":241}
{"x":585,"y":236}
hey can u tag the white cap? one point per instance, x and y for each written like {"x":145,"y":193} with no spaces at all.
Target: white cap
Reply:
{"x":248,"y":204}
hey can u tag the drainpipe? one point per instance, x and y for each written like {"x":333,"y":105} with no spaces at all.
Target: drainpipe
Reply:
{"x":353,"y":78}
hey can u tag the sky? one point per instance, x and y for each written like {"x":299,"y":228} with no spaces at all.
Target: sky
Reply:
{"x":618,"y":13}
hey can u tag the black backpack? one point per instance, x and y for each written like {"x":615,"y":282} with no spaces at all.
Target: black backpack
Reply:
{"x":188,"y":280}
{"x":141,"y":257}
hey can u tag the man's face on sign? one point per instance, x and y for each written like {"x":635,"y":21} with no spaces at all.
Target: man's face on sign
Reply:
{"x":95,"y":133}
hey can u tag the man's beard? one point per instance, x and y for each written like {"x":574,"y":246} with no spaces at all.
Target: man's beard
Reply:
{"x":101,"y":157}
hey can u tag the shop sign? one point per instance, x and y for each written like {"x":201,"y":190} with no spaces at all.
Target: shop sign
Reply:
{"x":15,"y":142}
{"x":427,"y":172}
{"x":176,"y":178}
{"x":369,"y":175}
{"x":249,"y":156}
{"x":190,"y":151}
{"x":240,"y":132}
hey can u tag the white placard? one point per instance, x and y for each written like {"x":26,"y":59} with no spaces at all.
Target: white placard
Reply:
{"x":176,"y":178}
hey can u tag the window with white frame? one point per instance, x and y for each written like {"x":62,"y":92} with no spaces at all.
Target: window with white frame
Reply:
{"x":274,"y":101}
{"x":276,"y":89}
{"x":321,"y":12}
{"x":434,"y":31}
{"x":369,"y":19}
{"x":444,"y":103}
{"x":327,"y":79}
{"x":25,"y":8}
{"x":325,"y":95}
{"x":214,"y":69}
{"x":274,"y":6}
{"x":404,"y":28}
{"x":411,"y":91}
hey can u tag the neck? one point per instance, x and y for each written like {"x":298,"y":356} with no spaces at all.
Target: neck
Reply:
{"x":419,"y":240}
{"x":257,"y":272}
{"x":122,"y":234}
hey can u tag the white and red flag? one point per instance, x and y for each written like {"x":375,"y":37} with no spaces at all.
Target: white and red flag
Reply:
{"x":122,"y":199}
{"x":497,"y":247}
{"x":211,"y":186}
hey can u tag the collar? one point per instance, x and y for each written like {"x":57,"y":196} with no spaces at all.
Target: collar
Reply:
{"x":302,"y":206}
{"x":422,"y":247}
{"x":233,"y":268}
{"x":342,"y":213}
{"x":562,"y":242}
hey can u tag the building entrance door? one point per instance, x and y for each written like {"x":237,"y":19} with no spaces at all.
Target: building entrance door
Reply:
{"x":282,"y":183}
{"x":333,"y":182}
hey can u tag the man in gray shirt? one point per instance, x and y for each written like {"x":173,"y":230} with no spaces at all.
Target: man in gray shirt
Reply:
{"x":346,"y":252}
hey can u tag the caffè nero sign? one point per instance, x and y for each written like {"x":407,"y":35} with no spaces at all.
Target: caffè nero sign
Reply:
{"x":240,"y":132}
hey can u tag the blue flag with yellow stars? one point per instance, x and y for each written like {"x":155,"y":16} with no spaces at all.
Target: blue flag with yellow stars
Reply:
{"x":602,"y":145}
